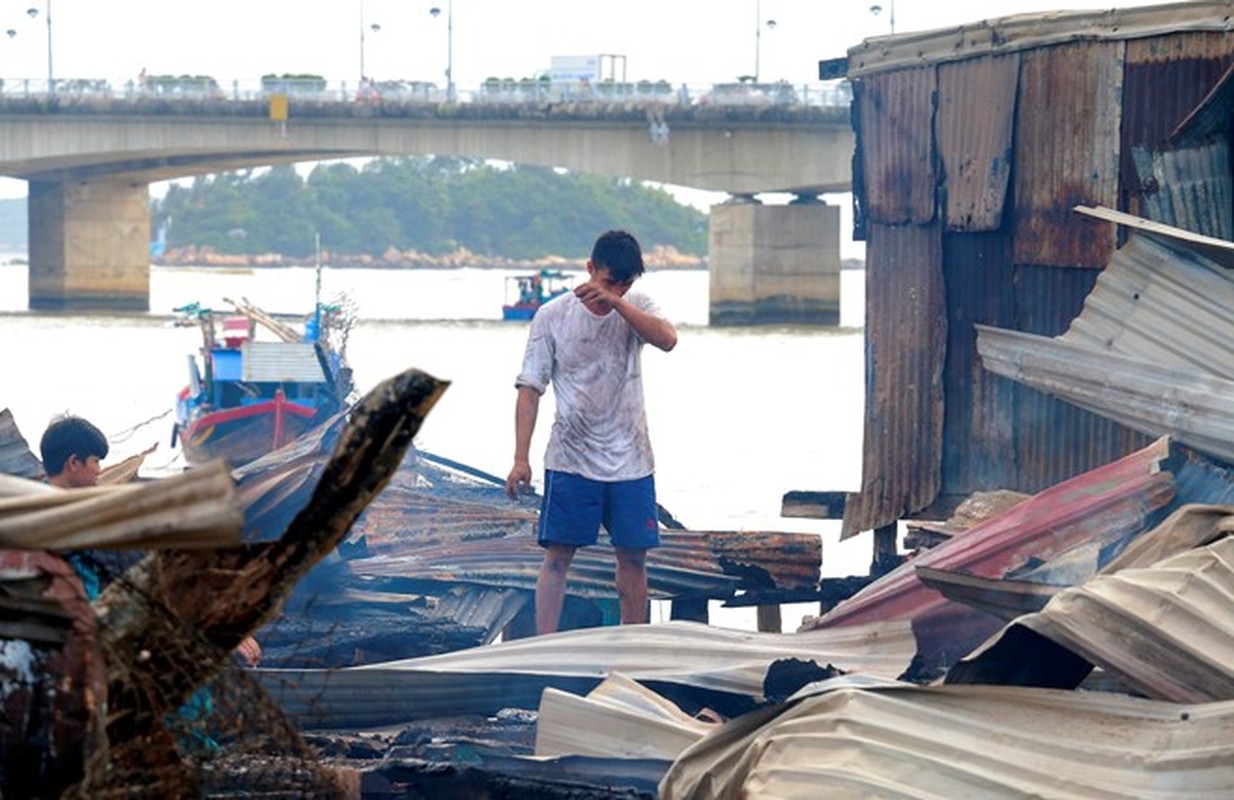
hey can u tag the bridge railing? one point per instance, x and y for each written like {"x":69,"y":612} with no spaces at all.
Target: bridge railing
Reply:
{"x":834,"y":94}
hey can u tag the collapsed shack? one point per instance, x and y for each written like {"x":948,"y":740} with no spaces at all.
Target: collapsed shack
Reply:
{"x":170,"y":624}
{"x":974,"y":144}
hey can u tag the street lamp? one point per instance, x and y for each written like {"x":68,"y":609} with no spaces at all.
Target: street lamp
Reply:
{"x":876,"y":9}
{"x":34,"y":12}
{"x":374,"y":28}
{"x":758,"y":35}
{"x":436,"y":12}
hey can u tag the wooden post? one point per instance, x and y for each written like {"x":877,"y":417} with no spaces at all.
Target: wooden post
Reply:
{"x":886,"y":556}
{"x":769,"y":619}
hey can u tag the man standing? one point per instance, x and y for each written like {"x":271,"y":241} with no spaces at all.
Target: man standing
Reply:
{"x":598,"y":465}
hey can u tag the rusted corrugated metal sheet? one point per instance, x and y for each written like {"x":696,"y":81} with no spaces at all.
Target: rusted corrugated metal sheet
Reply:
{"x":974,"y":127}
{"x":906,"y":333}
{"x":1055,"y":440}
{"x":690,"y":569}
{"x":1211,"y":117}
{"x":15,"y":456}
{"x":1150,"y":349}
{"x":1035,"y":31}
{"x":978,"y":430}
{"x":842,"y":738}
{"x":1167,"y":631}
{"x":1109,"y":505}
{"x":895,"y":125}
{"x":1067,"y":152}
{"x":1189,"y":187}
{"x":1165,"y":78}
{"x":514,"y":673}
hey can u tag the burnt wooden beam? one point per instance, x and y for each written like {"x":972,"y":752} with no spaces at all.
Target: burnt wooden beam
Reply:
{"x":813,"y":505}
{"x":174,"y":620}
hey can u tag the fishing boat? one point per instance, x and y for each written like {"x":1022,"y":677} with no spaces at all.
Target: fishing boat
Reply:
{"x":247,"y":397}
{"x":533,"y":291}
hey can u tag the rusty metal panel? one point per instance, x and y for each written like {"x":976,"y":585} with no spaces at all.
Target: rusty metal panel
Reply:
{"x":906,"y":340}
{"x":1054,"y":440}
{"x":978,"y":423}
{"x":1151,"y":349}
{"x":1188,"y":188}
{"x":1165,"y":78}
{"x":974,"y":128}
{"x":1036,"y":31}
{"x":851,"y":737}
{"x":895,"y":122}
{"x":1067,"y":152}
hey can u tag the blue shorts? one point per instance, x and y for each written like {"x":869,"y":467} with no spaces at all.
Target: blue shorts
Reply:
{"x":573,"y":509}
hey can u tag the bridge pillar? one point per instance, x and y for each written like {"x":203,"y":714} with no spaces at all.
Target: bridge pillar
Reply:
{"x":774,"y":264}
{"x":89,"y":245}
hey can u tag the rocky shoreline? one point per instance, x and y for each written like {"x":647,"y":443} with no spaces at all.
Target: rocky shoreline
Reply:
{"x":657,"y":258}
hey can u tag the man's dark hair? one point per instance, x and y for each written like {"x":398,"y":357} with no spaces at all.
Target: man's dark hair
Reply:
{"x":70,"y":436}
{"x":619,"y":253}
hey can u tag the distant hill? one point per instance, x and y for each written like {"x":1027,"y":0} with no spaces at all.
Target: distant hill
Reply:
{"x":13,"y":229}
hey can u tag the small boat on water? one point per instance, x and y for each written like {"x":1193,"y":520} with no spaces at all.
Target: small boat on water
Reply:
{"x":246,"y":397}
{"x":533,"y":291}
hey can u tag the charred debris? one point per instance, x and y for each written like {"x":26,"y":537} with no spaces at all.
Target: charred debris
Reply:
{"x":1048,"y":418}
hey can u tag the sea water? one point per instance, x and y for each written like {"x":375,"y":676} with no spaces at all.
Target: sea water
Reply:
{"x":738,"y":416}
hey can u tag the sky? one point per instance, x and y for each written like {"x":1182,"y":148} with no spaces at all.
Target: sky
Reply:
{"x":697,"y":42}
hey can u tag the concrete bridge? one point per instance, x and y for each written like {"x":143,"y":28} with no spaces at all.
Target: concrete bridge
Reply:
{"x":90,"y":158}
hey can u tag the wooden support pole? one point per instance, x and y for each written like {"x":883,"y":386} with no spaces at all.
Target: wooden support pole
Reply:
{"x":769,"y":619}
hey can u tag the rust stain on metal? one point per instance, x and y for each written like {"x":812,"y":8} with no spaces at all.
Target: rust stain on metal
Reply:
{"x":906,"y":334}
{"x":1067,"y":148}
{"x":895,"y":120}
{"x":974,"y":127}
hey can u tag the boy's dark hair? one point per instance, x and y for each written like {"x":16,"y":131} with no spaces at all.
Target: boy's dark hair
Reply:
{"x":70,"y":436}
{"x":619,"y":253}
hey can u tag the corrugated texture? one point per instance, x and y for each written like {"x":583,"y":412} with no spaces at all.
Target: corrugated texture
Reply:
{"x":1198,"y":410}
{"x":895,"y":118}
{"x":974,"y":127}
{"x":683,"y":566}
{"x":1035,"y":31}
{"x":276,"y":362}
{"x":1055,"y":440}
{"x":15,"y":455}
{"x":841,"y":741}
{"x":1150,"y":349}
{"x":1165,"y":78}
{"x":1211,"y":117}
{"x":1167,"y":631}
{"x":1108,"y":506}
{"x":978,"y":426}
{"x":1189,"y":188}
{"x":489,"y":678}
{"x":1067,"y":151}
{"x":906,"y":333}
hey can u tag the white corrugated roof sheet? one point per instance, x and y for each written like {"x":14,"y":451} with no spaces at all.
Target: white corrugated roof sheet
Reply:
{"x":845,"y":741}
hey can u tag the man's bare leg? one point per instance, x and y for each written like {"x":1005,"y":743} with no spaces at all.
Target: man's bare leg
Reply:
{"x":632,"y":585}
{"x":551,"y":587}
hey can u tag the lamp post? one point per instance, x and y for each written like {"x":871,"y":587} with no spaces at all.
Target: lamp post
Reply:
{"x":876,"y":9}
{"x":758,"y":36}
{"x":436,"y":12}
{"x":374,"y":27}
{"x":34,"y":12}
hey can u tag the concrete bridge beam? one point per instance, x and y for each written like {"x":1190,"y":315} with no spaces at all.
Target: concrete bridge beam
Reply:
{"x":89,"y":245}
{"x":774,"y":264}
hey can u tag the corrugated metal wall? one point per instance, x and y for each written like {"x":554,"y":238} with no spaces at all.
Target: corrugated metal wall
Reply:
{"x":941,"y":234}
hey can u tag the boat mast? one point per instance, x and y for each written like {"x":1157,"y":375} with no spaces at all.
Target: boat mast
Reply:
{"x":317,"y":294}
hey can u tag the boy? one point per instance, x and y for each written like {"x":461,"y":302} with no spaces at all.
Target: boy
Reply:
{"x":598,"y":465}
